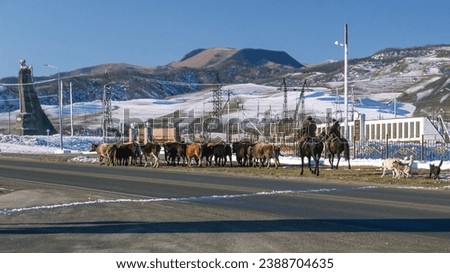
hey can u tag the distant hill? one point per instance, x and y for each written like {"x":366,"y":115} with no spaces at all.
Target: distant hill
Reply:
{"x":418,"y":75}
{"x":195,"y":69}
{"x":203,"y":58}
{"x":212,"y":57}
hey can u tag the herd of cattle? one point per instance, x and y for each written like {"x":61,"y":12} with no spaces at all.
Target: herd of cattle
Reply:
{"x":175,"y":153}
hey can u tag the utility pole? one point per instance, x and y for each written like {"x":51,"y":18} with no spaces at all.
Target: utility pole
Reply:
{"x":60,"y":94}
{"x":71,"y":109}
{"x":285,"y":107}
{"x":346,"y":80}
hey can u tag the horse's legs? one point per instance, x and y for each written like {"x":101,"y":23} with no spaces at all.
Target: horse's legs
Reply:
{"x":303,"y":162}
{"x":338,"y":159}
{"x":309,"y":165}
{"x":316,"y":159}
{"x":330,"y":160}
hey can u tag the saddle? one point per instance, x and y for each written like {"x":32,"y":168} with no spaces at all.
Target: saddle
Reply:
{"x":309,"y":140}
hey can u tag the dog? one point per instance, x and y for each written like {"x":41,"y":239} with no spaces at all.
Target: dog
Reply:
{"x":388,"y":165}
{"x":435,"y":170}
{"x":401,"y":169}
{"x":398,"y":167}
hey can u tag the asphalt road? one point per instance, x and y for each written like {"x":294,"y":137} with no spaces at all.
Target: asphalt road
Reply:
{"x":73,"y":207}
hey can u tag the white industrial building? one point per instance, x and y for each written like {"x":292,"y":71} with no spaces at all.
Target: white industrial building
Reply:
{"x":414,"y":129}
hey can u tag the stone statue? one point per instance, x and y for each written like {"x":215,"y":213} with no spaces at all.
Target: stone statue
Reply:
{"x":31,"y":119}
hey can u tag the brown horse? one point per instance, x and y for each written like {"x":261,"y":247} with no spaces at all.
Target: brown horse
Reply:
{"x":335,"y":147}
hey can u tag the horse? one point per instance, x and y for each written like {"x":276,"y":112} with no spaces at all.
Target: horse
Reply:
{"x":312,"y":147}
{"x":335,"y":147}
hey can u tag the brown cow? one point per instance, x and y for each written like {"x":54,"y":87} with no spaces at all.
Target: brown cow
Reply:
{"x":264,"y":152}
{"x":194,"y":151}
{"x":152,"y":150}
{"x":105,"y":150}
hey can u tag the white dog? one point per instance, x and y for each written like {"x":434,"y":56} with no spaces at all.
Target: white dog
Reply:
{"x":388,"y":164}
{"x":398,"y":167}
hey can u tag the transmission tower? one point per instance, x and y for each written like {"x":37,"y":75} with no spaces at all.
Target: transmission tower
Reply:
{"x":217,"y":102}
{"x":107,"y":121}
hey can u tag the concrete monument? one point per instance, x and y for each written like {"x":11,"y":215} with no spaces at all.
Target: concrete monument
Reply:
{"x":31,"y":119}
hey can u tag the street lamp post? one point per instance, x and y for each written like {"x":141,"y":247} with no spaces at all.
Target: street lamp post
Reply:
{"x":71,"y":109}
{"x":345,"y":45}
{"x":346,"y":80}
{"x":60,"y":87}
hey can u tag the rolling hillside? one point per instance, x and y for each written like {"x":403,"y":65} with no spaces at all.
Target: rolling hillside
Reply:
{"x":418,"y":75}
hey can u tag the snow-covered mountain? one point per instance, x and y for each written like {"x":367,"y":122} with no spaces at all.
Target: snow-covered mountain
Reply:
{"x":417,"y":77}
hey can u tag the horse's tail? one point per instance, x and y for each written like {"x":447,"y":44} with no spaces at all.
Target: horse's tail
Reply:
{"x":346,"y":151}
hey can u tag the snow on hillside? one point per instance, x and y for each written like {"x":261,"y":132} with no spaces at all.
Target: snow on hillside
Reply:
{"x":252,"y":100}
{"x":250,"y":96}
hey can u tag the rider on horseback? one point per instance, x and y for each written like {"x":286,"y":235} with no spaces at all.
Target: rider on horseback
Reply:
{"x":310,"y":146}
{"x":333,"y":133}
{"x":308,"y":129}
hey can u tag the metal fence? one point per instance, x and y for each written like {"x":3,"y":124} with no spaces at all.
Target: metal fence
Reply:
{"x":428,"y":150}
{"x":425,"y":151}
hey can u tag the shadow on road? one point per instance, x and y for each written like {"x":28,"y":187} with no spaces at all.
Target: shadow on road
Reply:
{"x":232,"y":226}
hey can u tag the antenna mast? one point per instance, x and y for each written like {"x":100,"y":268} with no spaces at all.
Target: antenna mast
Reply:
{"x":285,"y":107}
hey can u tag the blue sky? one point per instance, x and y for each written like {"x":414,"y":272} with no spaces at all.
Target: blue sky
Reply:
{"x":76,"y":34}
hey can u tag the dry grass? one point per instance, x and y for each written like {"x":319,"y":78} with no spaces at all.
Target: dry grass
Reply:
{"x":365,"y":174}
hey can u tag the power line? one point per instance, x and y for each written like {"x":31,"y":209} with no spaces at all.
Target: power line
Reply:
{"x":24,"y":84}
{"x":48,"y":96}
